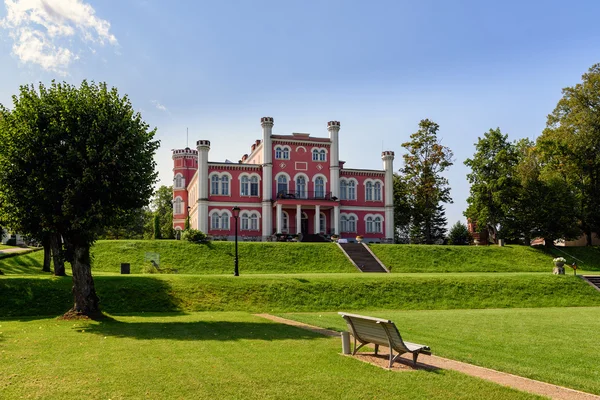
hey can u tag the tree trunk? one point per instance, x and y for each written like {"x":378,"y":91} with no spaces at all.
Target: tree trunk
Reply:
{"x":588,"y":237}
{"x":84,"y":292}
{"x":47,"y":253}
{"x":57,"y":254}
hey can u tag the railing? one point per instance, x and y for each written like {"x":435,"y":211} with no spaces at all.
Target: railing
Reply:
{"x":305,"y":195}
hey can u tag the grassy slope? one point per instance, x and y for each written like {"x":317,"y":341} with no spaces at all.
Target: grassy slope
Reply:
{"x":204,"y":356}
{"x":557,"y":345}
{"x":214,"y":258}
{"x":281,"y":293}
{"x":420,"y":258}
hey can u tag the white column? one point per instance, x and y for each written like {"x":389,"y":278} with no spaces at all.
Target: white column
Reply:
{"x":336,"y":220}
{"x":334,"y":158}
{"x":203,"y":146}
{"x":317,"y":219}
{"x":298,"y":219}
{"x":279,"y":219}
{"x":388,"y":189}
{"x":267,"y":176}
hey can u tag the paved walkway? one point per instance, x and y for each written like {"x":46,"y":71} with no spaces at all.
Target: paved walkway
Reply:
{"x":434,"y":362}
{"x":15,"y":250}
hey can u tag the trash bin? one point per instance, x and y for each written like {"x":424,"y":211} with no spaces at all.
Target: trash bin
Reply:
{"x":125,"y":268}
{"x":345,"y":342}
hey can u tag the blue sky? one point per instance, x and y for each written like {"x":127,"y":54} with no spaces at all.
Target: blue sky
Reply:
{"x":379,"y":67}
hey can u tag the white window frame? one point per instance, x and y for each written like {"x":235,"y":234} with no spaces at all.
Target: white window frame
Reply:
{"x":178,"y":206}
{"x":352,"y":183}
{"x":377,"y":191}
{"x":322,"y":223}
{"x":343,"y":189}
{"x":179,"y":182}
{"x":287,"y":185}
{"x":215,"y":179}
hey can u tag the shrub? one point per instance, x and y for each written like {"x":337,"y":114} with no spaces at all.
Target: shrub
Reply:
{"x":194,"y":236}
{"x":459,"y":234}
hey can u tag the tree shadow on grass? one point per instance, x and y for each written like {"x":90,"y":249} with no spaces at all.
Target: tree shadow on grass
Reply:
{"x":199,"y":330}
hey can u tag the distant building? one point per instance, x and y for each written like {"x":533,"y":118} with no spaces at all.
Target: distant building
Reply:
{"x":292,"y":184}
{"x":6,"y":236}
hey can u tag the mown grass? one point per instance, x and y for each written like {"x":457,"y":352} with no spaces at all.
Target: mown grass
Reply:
{"x":281,"y":293}
{"x":556,"y":345}
{"x":421,"y":258}
{"x":5,"y":247}
{"x":204,"y":356}
{"x":213,"y":258}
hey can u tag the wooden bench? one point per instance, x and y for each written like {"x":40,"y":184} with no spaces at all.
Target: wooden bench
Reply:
{"x":381,"y":332}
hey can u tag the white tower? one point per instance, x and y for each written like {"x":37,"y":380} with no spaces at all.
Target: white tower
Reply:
{"x":334,"y":158}
{"x":203,"y":146}
{"x":267,"y":178}
{"x":388,"y":166}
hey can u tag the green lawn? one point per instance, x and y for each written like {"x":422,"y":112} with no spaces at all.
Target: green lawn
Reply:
{"x":556,"y":345}
{"x":4,"y":247}
{"x":204,"y":356}
{"x":213,"y":258}
{"x":40,"y":295}
{"x":511,"y":258}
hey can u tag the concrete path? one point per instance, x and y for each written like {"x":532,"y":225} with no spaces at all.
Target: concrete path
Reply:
{"x":434,"y":362}
{"x":16,"y":250}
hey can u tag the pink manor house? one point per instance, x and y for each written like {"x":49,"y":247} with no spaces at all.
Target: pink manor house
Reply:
{"x":288,"y":184}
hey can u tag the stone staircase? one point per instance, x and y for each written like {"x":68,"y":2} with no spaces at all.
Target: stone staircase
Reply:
{"x":314,"y":238}
{"x":593,"y":280}
{"x":361,"y":257}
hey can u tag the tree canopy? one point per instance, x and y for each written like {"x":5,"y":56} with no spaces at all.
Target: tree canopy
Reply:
{"x":76,"y":159}
{"x":425,"y":161}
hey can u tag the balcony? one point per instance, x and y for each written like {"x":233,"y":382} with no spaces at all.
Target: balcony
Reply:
{"x":305,"y":195}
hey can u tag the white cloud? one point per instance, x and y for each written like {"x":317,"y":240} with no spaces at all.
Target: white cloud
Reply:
{"x":42,"y":30}
{"x":159,"y":106}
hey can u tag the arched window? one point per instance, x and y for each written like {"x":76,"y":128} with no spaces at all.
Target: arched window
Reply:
{"x":323,"y":155}
{"x":315,"y":154}
{"x":214,"y":185}
{"x":343,"y":223}
{"x":319,"y":187}
{"x":343,"y":189}
{"x":178,"y":206}
{"x":254,"y":222}
{"x":179,"y":184}
{"x":225,"y":185}
{"x":377,"y":191}
{"x":286,"y":153}
{"x":245,"y":186}
{"x":369,"y":227}
{"x":351,"y":190}
{"x":254,"y":186}
{"x":301,"y":187}
{"x":245,"y":221}
{"x":322,"y":223}
{"x":282,"y":184}
{"x":278,"y":152}
{"x":215,"y":221}
{"x":351,"y":223}
{"x":377,"y":224}
{"x":369,"y":191}
{"x":225,"y":221}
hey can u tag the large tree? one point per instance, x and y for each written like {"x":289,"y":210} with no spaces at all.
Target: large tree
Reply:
{"x":493,"y":185}
{"x":570,"y":145}
{"x":86,"y":157}
{"x":425,"y":161}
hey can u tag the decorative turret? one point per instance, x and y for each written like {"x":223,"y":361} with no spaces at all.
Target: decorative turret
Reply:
{"x":388,"y":166}
{"x":334,"y":157}
{"x":203,"y":147}
{"x":267,"y":181}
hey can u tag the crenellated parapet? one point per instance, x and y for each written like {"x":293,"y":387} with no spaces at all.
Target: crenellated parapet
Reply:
{"x":267,"y":121}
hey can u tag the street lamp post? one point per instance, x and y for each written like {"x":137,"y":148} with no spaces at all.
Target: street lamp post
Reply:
{"x":236,"y":211}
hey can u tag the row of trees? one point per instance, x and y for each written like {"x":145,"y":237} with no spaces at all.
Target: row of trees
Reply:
{"x":73,"y":161}
{"x":549,"y":188}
